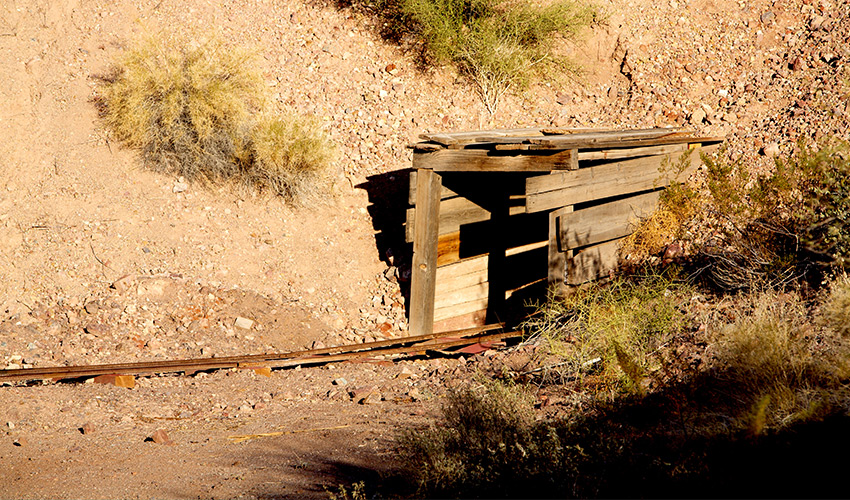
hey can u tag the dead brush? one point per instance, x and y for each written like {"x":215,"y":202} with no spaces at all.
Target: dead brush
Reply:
{"x":774,"y":356}
{"x":623,"y":322}
{"x":189,"y":107}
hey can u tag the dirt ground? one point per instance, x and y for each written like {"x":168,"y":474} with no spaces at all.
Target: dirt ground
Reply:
{"x":102,"y":261}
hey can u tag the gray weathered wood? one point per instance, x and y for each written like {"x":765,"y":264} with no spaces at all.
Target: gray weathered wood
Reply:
{"x":604,"y":222}
{"x":559,"y":189}
{"x":411,"y":196}
{"x":557,"y":257}
{"x":624,"y":153}
{"x":488,"y":160}
{"x":424,"y":262}
{"x":592,"y":262}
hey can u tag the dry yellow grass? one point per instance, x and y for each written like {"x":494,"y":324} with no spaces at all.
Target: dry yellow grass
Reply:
{"x":190,"y":108}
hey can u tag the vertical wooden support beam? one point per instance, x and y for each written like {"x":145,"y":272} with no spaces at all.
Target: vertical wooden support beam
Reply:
{"x":425,"y":236}
{"x":557,"y":256}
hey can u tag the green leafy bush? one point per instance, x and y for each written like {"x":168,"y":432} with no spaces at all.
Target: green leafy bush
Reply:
{"x":190,"y":109}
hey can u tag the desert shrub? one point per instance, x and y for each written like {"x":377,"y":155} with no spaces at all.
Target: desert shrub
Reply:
{"x":777,"y":359}
{"x":622,"y":322}
{"x":677,"y":205}
{"x":750,"y":231}
{"x":498,"y":45}
{"x":487,"y":444}
{"x":189,"y":108}
{"x":836,"y":310}
{"x":289,"y":156}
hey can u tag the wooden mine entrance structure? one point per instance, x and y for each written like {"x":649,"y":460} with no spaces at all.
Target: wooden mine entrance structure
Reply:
{"x":498,"y":216}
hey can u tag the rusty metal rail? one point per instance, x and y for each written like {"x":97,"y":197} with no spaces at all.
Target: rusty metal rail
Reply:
{"x":409,"y":346}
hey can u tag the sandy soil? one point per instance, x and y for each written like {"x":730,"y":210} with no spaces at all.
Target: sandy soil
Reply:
{"x":102,"y":261}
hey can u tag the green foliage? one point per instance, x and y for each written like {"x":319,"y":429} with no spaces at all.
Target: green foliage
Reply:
{"x":499,"y":45}
{"x":622,"y":322}
{"x":190,"y":107}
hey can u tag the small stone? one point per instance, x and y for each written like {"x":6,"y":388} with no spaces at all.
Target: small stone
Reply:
{"x":92,"y":307}
{"x":360,"y":395}
{"x":87,"y":428}
{"x":767,"y":17}
{"x":371,"y":398}
{"x":771,"y":149}
{"x":243,"y":323}
{"x":317,"y":344}
{"x":414,"y":394}
{"x":10,"y":425}
{"x":259,"y":406}
{"x":797,"y":64}
{"x":21,"y":441}
{"x":698,"y":116}
{"x":405,"y":373}
{"x":340,"y":382}
{"x":179,"y":187}
{"x":161,"y":437}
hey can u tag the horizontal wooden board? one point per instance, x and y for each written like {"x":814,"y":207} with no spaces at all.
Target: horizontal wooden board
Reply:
{"x":462,"y":295}
{"x":490,"y":160}
{"x":465,"y":266}
{"x":569,"y":142}
{"x":603,"y":222}
{"x":468,"y":320}
{"x":454,"y":212}
{"x":460,"y":309}
{"x":547,"y":192}
{"x":448,"y":285}
{"x":623,"y":153}
{"x":592,"y":262}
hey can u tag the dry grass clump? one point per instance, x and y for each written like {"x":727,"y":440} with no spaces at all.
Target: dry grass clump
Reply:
{"x":498,"y":45}
{"x":190,"y":109}
{"x":775,"y":356}
{"x":487,"y":445}
{"x":622,"y":322}
{"x":289,"y":156}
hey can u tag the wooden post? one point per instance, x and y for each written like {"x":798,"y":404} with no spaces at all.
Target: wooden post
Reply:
{"x":557,"y":256}
{"x":425,"y":235}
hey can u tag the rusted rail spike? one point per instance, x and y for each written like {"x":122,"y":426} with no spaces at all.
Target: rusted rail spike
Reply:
{"x":405,"y":345}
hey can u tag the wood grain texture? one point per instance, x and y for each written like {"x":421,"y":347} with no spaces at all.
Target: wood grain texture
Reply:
{"x":468,"y":320}
{"x":604,"y":222}
{"x":546,"y":192}
{"x":460,"y":309}
{"x":491,"y":160}
{"x":424,"y":262}
{"x":593,"y":262}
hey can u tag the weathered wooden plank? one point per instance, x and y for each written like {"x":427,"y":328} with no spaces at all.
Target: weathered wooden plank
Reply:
{"x":462,"y":295}
{"x":623,"y":153}
{"x":604,"y":222}
{"x":447,"y":285}
{"x":454,"y":212}
{"x":465,"y":266}
{"x":448,"y":248}
{"x":574,"y":141}
{"x":460,"y":309}
{"x":557,"y":257}
{"x":411,"y":197}
{"x":468,"y":320}
{"x":489,"y":160}
{"x":592,"y":262}
{"x":424,"y":262}
{"x":556,"y":190}
{"x":591,"y":138}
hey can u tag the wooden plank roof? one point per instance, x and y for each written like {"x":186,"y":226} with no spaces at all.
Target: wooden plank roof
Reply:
{"x":526,"y":139}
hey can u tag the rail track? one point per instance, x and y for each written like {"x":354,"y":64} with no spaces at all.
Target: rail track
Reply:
{"x":405,"y":346}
